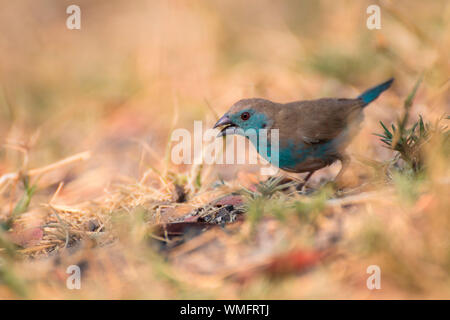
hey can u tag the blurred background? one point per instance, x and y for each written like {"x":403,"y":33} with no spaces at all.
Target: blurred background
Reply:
{"x":137,"y":70}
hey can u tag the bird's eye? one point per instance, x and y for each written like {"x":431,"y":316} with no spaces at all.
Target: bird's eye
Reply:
{"x":245,"y":116}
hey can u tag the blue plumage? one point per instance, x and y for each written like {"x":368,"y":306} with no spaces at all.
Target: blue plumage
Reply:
{"x":373,"y":93}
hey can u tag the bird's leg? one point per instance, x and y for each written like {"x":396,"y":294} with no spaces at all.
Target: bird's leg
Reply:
{"x":345,"y":160}
{"x":300,"y":186}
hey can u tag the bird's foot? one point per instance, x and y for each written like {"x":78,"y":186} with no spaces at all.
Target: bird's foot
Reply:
{"x":334,"y":186}
{"x":303,"y":184}
{"x":300,"y":186}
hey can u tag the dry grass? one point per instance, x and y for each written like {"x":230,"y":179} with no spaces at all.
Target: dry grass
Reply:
{"x":133,"y":73}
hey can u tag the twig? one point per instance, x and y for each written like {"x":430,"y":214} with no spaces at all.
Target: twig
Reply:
{"x":38,"y":171}
{"x":360,"y":198}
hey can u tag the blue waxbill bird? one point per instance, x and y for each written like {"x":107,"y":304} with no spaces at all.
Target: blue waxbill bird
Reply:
{"x":312,"y":133}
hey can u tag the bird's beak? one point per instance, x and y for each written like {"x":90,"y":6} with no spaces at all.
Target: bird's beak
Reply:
{"x":227,"y":124}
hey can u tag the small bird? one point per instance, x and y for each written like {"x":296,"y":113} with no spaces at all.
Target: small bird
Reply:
{"x":312,"y":133}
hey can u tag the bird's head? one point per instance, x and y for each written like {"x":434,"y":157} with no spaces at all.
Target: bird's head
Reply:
{"x":246,"y":114}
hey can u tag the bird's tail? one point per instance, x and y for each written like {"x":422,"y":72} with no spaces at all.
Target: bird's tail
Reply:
{"x":373,"y":93}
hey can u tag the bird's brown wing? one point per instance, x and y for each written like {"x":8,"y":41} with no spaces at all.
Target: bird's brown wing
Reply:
{"x":318,"y":121}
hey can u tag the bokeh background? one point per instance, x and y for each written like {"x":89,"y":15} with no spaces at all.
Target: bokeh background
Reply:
{"x":137,"y":70}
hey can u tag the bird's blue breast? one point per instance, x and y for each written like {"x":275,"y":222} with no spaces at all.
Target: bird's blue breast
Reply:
{"x":291,"y":155}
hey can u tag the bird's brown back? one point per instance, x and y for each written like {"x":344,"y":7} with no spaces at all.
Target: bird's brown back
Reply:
{"x":316,"y":121}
